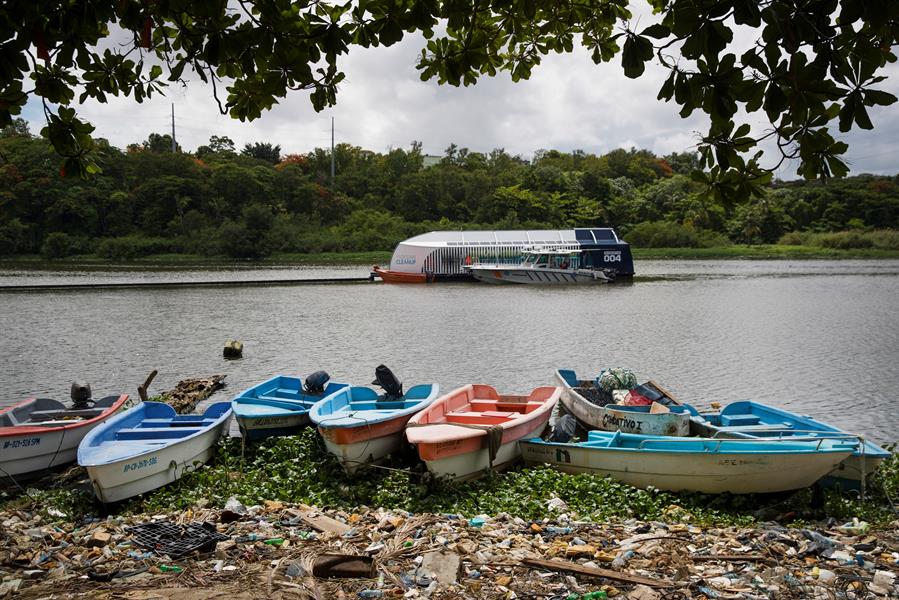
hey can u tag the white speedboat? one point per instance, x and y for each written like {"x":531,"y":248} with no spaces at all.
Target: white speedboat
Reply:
{"x":544,"y":266}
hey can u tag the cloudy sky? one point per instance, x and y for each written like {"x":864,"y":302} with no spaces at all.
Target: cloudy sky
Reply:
{"x":569,"y":103}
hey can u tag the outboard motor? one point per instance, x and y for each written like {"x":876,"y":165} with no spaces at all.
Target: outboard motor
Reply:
{"x":81,"y":395}
{"x":315,"y":383}
{"x":385,"y":378}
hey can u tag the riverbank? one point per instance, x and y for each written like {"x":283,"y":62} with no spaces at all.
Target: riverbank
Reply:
{"x":281,"y":550}
{"x":57,"y":539}
{"x":179,"y":261}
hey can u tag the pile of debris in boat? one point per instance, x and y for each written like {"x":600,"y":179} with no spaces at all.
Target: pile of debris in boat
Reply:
{"x":281,"y":550}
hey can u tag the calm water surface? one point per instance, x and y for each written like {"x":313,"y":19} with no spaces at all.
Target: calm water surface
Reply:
{"x":820,"y":337}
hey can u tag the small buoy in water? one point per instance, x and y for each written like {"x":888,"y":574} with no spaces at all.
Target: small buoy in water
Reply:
{"x":233,"y":349}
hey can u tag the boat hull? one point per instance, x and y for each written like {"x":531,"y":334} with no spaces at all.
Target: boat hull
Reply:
{"x":149,"y":446}
{"x":257,"y":428}
{"x":148,"y":471}
{"x":638,"y":419}
{"x":388,"y":276}
{"x":474,"y":459}
{"x":27,"y":450}
{"x":748,"y":419}
{"x":527,"y":276}
{"x":710,"y":473}
{"x":355,"y":455}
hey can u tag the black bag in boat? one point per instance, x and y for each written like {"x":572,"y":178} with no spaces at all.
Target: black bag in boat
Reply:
{"x":316,"y":382}
{"x":384,"y":377}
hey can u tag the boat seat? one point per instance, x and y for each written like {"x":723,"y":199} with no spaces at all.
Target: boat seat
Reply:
{"x":489,"y":417}
{"x":739,"y":420}
{"x":294,"y":398}
{"x":155,"y":433}
{"x":49,"y":415}
{"x":390,"y":405}
{"x":199,"y":422}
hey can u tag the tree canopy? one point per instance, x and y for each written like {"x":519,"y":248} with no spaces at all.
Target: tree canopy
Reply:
{"x":218,"y":202}
{"x":807,"y":66}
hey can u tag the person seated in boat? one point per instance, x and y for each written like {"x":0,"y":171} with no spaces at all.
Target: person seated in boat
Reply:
{"x":563,"y":264}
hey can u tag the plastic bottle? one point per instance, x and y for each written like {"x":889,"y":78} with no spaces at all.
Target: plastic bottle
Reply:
{"x":370,"y":593}
{"x":622,"y":559}
{"x":170,"y":568}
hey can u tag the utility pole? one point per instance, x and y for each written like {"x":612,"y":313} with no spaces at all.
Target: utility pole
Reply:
{"x":332,"y":149}
{"x":173,"y":128}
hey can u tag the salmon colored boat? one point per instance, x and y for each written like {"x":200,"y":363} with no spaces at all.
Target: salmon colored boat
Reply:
{"x":388,"y":276}
{"x":474,"y":428}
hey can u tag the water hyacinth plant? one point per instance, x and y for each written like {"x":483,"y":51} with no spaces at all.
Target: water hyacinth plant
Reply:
{"x":299,"y":469}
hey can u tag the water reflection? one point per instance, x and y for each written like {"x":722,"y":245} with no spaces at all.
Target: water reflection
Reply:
{"x":814,"y":336}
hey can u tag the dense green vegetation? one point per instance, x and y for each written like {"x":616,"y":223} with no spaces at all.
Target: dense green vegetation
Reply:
{"x":299,"y":469}
{"x":253,"y":202}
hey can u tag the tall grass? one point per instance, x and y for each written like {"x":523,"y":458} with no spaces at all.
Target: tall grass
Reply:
{"x":883,"y":239}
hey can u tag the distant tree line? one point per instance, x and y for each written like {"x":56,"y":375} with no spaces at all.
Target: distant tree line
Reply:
{"x":252,"y":202}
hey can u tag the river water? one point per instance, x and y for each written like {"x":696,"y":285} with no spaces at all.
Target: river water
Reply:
{"x":818,"y":337}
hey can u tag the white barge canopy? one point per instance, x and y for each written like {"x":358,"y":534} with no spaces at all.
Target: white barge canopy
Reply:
{"x":444,"y":253}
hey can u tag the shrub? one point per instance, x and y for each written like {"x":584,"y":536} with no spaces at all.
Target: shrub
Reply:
{"x":60,"y":245}
{"x":712,"y":239}
{"x":134,"y":246}
{"x":844,"y":240}
{"x":885,"y":238}
{"x":662,"y":234}
{"x":793,"y":238}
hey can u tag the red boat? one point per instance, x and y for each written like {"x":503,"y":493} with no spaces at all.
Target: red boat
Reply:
{"x":388,"y":276}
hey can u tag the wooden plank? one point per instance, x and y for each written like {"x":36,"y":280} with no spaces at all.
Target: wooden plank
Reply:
{"x":559,"y":565}
{"x":320,"y":522}
{"x":666,"y":392}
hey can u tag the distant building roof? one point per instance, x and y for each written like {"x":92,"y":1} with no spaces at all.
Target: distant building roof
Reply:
{"x":512,"y":237}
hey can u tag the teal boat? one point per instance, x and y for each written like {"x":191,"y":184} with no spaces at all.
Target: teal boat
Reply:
{"x":713,"y":466}
{"x":361,"y":425}
{"x":753,"y":420}
{"x":280,"y":406}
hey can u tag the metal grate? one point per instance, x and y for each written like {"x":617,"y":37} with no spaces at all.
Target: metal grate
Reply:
{"x":176,"y":540}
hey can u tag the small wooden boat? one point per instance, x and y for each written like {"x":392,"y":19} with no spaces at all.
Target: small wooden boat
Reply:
{"x":388,"y":276}
{"x":361,"y":426}
{"x":148,"y":447}
{"x":748,"y":419}
{"x":41,"y":433}
{"x":543,"y":266}
{"x":279,"y":406}
{"x":474,"y":428}
{"x":737,"y":466}
{"x":582,"y":399}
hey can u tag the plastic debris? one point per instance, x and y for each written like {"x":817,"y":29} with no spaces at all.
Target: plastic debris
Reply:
{"x":393,"y":554}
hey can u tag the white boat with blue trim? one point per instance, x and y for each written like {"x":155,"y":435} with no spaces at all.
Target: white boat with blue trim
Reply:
{"x":737,"y":466}
{"x":544,"y":266}
{"x":148,"y":447}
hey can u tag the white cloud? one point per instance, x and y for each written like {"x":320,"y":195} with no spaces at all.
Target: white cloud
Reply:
{"x":569,"y":103}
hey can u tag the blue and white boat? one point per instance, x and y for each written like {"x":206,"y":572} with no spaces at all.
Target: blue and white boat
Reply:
{"x":280,"y":406}
{"x":748,"y":419}
{"x":149,"y":446}
{"x":361,"y":426}
{"x":737,"y":466}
